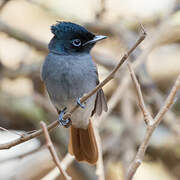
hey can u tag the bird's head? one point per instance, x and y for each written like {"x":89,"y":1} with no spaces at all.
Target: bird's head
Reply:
{"x":72,"y":38}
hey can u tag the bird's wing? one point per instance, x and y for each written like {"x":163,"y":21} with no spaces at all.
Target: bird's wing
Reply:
{"x":100,"y":102}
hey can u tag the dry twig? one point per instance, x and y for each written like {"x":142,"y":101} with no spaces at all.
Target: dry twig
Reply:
{"x":53,"y":174}
{"x":53,"y":152}
{"x":152,"y":123}
{"x":147,"y":116}
{"x":83,"y":99}
{"x":68,"y":159}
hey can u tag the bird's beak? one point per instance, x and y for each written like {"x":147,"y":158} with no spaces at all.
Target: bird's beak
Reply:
{"x":95,"y":39}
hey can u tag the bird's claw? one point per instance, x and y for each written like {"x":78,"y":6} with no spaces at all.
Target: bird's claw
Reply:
{"x":64,"y":122}
{"x":80,"y":104}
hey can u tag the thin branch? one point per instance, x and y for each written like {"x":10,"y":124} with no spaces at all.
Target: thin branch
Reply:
{"x":83,"y":99}
{"x":147,"y":117}
{"x":53,"y":174}
{"x":53,"y":152}
{"x":151,"y":126}
{"x":169,"y":101}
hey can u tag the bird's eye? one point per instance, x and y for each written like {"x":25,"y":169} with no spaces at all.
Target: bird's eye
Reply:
{"x":76,"y":42}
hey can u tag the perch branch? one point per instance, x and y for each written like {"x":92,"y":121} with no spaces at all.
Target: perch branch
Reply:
{"x":153,"y":123}
{"x":53,"y":152}
{"x":84,"y":98}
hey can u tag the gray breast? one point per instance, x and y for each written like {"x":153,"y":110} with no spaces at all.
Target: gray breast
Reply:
{"x":68,"y":77}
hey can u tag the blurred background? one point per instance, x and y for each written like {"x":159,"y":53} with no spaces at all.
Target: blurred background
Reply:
{"x":24,"y":35}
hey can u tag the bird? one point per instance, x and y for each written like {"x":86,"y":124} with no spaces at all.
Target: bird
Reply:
{"x":68,"y":73}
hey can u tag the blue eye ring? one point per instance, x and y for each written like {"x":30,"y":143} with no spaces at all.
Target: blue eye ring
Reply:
{"x":76,"y":42}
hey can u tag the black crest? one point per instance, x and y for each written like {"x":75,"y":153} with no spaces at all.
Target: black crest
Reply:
{"x":67,"y":29}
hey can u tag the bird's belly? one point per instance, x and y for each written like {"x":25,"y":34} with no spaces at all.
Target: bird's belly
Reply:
{"x":62,"y":97}
{"x":80,"y":118}
{"x":68,"y":80}
{"x":65,"y":89}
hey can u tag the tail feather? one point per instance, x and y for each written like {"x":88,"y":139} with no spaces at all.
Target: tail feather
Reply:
{"x":74,"y":144}
{"x":82,"y":144}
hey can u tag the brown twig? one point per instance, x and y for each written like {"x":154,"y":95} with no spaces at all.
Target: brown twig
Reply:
{"x":53,"y":174}
{"x":152,"y":124}
{"x":147,"y":116}
{"x":83,"y":99}
{"x":53,"y":152}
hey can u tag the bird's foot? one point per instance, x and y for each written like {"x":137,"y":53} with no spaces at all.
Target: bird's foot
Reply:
{"x":64,"y":122}
{"x":80,"y":104}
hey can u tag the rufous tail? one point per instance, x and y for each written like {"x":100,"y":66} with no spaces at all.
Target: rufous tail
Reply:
{"x":82,"y":144}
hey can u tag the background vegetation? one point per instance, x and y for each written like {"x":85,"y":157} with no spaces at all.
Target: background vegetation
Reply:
{"x":24,"y":35}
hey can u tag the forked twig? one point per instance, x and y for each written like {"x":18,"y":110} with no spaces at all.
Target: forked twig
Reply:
{"x":152,"y":123}
{"x":147,"y":117}
{"x":53,"y":174}
{"x":53,"y":152}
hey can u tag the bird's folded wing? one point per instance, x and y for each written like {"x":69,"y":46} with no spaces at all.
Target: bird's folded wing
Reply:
{"x":100,"y":103}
